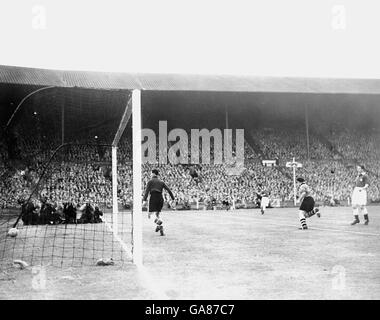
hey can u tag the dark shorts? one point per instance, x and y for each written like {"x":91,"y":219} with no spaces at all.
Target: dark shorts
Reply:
{"x":307,"y":204}
{"x":156,"y":202}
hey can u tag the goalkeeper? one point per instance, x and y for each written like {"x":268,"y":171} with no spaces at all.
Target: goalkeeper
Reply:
{"x":155,"y":187}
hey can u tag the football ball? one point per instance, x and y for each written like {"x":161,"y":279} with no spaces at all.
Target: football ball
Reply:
{"x":13,"y":232}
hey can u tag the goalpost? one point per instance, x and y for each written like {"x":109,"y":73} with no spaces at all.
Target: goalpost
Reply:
{"x":83,"y":168}
{"x":71,"y":140}
{"x":133,"y":108}
{"x":137,"y":205}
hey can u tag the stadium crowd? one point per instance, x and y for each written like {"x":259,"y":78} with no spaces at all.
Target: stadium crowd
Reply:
{"x":286,"y":143}
{"x":360,"y":145}
{"x":81,"y":173}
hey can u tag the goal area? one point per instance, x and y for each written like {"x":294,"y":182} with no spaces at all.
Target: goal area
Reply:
{"x":67,"y":178}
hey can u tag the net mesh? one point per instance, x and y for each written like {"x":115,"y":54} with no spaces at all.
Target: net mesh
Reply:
{"x":56,"y":185}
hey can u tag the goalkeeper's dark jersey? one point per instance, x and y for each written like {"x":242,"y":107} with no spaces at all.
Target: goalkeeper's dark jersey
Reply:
{"x":156,"y":185}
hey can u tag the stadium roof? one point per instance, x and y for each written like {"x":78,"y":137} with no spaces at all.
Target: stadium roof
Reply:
{"x":183,"y":82}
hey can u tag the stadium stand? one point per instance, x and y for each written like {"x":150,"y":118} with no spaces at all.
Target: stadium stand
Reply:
{"x":82,"y":175}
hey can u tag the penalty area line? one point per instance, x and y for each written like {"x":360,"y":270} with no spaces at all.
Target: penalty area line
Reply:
{"x":127,"y":250}
{"x":144,"y":275}
{"x":321,"y":229}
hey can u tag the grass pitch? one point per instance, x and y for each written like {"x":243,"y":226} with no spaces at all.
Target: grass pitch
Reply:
{"x":217,"y":255}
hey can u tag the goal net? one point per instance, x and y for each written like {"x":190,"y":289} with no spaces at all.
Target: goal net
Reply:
{"x":59,"y":179}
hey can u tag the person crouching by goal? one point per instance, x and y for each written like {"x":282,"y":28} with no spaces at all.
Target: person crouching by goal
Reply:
{"x":359,"y":196}
{"x":306,"y":209}
{"x":155,"y":187}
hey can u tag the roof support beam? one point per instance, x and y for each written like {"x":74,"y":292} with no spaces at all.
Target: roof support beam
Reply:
{"x":123,"y":123}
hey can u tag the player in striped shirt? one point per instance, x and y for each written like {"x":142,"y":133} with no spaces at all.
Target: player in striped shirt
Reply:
{"x":306,"y":209}
{"x":359,"y":196}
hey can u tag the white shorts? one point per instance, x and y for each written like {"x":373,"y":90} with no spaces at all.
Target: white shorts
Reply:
{"x":359,"y":197}
{"x":264,"y":202}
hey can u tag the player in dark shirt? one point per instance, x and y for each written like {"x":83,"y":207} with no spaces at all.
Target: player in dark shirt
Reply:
{"x":226,"y":202}
{"x":155,"y":187}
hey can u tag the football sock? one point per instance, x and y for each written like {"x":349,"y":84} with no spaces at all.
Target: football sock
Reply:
{"x":310,"y":213}
{"x":303,"y":223}
{"x":356,"y":218}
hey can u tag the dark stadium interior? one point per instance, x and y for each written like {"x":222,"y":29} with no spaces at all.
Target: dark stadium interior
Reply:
{"x":255,"y":108}
{"x":359,"y":111}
